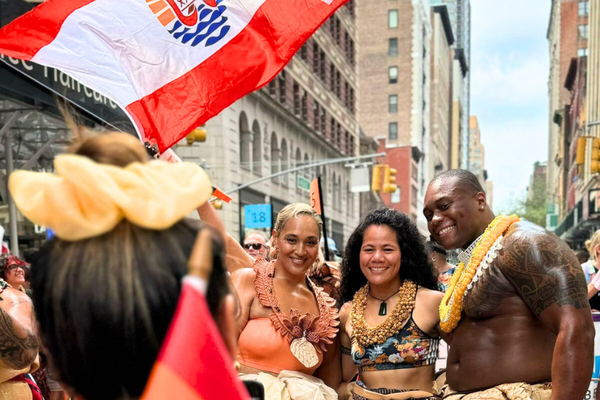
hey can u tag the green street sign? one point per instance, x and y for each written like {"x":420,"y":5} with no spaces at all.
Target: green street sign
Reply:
{"x":303,"y":183}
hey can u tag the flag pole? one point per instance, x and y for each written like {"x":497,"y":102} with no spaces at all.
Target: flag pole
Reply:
{"x":324,"y":220}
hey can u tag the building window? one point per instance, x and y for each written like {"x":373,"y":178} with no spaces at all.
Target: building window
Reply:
{"x":582,"y":52}
{"x":393,"y":130}
{"x":304,"y":52}
{"x":393,"y":103}
{"x":282,"y":88}
{"x":316,"y":59}
{"x":584,"y":8}
{"x":583,"y":31}
{"x":393,"y":18}
{"x":393,"y":74}
{"x":393,"y":47}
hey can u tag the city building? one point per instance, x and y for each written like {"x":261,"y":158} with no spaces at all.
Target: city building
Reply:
{"x":568,"y":33}
{"x":538,"y":175}
{"x":459,"y":12}
{"x":476,"y":151}
{"x":441,"y":90}
{"x":490,"y":194}
{"x":477,"y":158}
{"x":578,"y":122}
{"x":407,"y":197}
{"x":394,"y":75}
{"x":305,"y":115}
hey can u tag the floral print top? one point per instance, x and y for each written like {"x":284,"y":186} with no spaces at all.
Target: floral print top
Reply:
{"x":410,"y":348}
{"x":444,"y":279}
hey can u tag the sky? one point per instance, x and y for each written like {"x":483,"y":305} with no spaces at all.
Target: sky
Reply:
{"x":509,"y":90}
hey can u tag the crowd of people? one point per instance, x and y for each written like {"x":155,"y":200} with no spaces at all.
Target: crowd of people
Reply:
{"x":513,"y":315}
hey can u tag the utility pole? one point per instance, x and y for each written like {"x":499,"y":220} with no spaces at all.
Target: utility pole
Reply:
{"x":317,"y":164}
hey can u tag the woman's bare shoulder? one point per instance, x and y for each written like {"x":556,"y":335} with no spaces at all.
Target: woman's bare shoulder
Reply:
{"x":243,"y":278}
{"x":429,"y":298}
{"x":345,"y":312}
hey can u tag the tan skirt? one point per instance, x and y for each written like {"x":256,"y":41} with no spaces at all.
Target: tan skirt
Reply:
{"x":506,"y":391}
{"x":292,"y":385}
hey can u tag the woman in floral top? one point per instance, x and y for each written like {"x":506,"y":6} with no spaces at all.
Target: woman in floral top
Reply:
{"x":437,"y":255}
{"x":389,"y":325}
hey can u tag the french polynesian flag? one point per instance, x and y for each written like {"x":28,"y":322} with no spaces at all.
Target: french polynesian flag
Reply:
{"x":194,"y":363}
{"x":170,"y":64}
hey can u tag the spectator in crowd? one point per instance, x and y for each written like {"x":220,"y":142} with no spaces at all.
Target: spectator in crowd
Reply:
{"x":592,"y":246}
{"x":255,"y":244}
{"x":437,"y":255}
{"x":582,"y":255}
{"x":107,"y":284}
{"x":18,"y":340}
{"x":12,"y":271}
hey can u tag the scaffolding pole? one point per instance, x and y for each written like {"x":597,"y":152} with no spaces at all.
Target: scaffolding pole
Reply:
{"x":12,"y":209}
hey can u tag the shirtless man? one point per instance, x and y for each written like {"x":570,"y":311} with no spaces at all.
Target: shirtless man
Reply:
{"x":18,"y":342}
{"x":526,"y":318}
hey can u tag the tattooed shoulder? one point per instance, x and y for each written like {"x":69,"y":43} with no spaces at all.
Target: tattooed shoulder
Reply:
{"x":18,"y":352}
{"x":542,"y":268}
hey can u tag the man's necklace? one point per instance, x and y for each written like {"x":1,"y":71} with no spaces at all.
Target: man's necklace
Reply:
{"x":383,"y":305}
{"x":482,"y":254}
{"x":465,"y":255}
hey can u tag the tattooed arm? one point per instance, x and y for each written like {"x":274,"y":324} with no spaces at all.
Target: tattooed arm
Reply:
{"x":550,"y":281}
{"x":18,"y":341}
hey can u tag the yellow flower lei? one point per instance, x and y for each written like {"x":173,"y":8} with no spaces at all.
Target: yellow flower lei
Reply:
{"x":451,"y":306}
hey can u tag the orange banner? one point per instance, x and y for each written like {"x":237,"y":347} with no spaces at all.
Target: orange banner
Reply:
{"x":315,"y":196}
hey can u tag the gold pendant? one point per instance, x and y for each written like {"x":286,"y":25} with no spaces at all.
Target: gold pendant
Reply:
{"x":305,"y":352}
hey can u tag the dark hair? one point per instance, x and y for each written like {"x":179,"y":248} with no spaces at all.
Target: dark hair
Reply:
{"x":29,"y":255}
{"x":582,"y":255}
{"x":433,"y":246}
{"x":466,"y":179}
{"x":104,"y":304}
{"x":415,"y":263}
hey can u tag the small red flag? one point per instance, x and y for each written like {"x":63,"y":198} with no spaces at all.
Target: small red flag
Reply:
{"x":194,"y":363}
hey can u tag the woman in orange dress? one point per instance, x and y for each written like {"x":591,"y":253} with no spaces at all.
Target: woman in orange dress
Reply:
{"x":287,"y":324}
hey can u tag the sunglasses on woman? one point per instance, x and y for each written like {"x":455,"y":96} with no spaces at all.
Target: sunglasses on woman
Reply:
{"x":255,"y":246}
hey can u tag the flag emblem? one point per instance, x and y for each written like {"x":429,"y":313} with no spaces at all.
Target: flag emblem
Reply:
{"x":192,"y":21}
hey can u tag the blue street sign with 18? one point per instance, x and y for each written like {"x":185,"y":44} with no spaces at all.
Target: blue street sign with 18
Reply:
{"x":257,"y":216}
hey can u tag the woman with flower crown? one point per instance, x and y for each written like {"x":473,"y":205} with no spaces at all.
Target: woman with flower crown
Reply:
{"x":389,"y":325}
{"x":288,"y":324}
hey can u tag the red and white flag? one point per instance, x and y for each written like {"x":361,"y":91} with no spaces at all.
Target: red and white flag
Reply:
{"x":170,"y":64}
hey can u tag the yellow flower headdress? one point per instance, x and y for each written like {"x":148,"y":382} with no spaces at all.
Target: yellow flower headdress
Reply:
{"x":84,"y":199}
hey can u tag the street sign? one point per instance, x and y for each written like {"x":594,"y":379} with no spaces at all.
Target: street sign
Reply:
{"x":303,"y":183}
{"x":257,"y":216}
{"x":359,"y":180}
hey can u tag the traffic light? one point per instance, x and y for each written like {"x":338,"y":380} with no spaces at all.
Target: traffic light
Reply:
{"x":217,"y":204}
{"x":580,"y":155}
{"x":389,"y":180}
{"x":595,"y":159}
{"x":197,"y":135}
{"x":376,"y":178}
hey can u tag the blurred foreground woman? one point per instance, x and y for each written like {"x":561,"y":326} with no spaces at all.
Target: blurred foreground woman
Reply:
{"x":107,"y":285}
